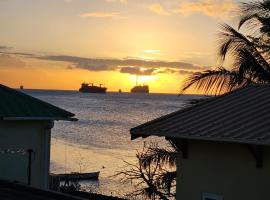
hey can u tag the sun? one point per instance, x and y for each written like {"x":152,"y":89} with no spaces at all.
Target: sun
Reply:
{"x":142,"y":79}
{"x":146,"y":79}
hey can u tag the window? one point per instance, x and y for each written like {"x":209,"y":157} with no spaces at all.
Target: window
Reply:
{"x":210,"y":196}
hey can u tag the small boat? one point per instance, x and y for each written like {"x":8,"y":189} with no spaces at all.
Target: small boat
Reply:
{"x":21,"y":87}
{"x":77,"y":176}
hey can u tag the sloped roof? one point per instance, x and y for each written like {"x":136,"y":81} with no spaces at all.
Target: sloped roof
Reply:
{"x":17,"y":191}
{"x":241,"y":116}
{"x":15,"y":105}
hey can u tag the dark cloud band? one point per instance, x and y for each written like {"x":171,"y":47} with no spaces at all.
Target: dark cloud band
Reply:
{"x":131,"y":66}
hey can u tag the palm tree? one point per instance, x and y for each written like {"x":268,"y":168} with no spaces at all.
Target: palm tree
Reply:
{"x":154,"y":174}
{"x":250,"y":53}
{"x":256,"y":16}
{"x":165,"y":159}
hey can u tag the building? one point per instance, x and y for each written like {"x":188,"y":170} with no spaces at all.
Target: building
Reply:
{"x":25,"y":133}
{"x":224,"y":144}
{"x":16,"y":191}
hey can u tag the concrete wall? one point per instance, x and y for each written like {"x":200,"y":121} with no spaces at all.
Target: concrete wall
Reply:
{"x":228,"y":170}
{"x":15,"y":135}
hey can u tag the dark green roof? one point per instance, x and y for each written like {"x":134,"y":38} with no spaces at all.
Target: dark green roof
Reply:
{"x":16,"y":105}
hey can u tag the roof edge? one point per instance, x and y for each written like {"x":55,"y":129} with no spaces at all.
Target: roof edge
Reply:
{"x":38,"y":118}
{"x":15,"y":91}
{"x":185,"y":109}
{"x":234,"y":141}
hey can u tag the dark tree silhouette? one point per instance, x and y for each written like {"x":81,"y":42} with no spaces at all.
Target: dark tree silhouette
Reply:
{"x":256,"y":16}
{"x":154,"y":174}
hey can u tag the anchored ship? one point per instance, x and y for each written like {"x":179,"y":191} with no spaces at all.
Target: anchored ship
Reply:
{"x":86,"y":88}
{"x":140,"y":89}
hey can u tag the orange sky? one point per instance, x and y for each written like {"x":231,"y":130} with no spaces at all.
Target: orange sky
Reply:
{"x":60,"y":44}
{"x":38,"y":74}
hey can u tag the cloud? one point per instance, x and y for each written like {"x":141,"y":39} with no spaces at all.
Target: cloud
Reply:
{"x":70,"y":67}
{"x":128,"y":65}
{"x":185,"y":72}
{"x":137,"y":71}
{"x":158,"y":9}
{"x":212,"y":8}
{"x":2,"y":47}
{"x":172,"y":71}
{"x":151,"y":51}
{"x":100,"y":14}
{"x":6,"y":50}
{"x":95,"y":63}
{"x":17,"y":53}
{"x":153,"y":71}
{"x":166,"y":71}
{"x":118,"y":1}
{"x":8,"y":61}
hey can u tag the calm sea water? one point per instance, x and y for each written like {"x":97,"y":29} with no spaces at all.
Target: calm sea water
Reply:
{"x":100,"y":140}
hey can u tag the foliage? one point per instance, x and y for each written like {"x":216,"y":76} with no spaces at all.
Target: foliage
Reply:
{"x":154,"y":174}
{"x":250,"y":53}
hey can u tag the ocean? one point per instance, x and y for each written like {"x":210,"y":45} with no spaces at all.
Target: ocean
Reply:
{"x":100,"y":139}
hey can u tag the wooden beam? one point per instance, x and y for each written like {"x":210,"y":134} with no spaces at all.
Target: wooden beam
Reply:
{"x":257,"y":152}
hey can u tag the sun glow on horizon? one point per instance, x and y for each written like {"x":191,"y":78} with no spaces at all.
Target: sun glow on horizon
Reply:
{"x":105,"y":42}
{"x":142,"y":79}
{"x":151,"y":51}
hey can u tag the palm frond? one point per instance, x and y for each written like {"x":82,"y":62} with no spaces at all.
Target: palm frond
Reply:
{"x":250,"y":18}
{"x":248,"y":67}
{"x":167,"y":180}
{"x":210,"y":81}
{"x":232,"y":42}
{"x":253,"y":12}
{"x":262,"y":7}
{"x":262,"y":43}
{"x":162,"y":156}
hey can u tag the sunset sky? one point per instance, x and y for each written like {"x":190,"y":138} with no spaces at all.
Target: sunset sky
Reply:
{"x":58,"y":44}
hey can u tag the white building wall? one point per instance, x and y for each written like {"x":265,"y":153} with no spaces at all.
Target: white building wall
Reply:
{"x":222,"y":170}
{"x":16,"y":135}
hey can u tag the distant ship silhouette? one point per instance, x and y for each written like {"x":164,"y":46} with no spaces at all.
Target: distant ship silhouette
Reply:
{"x":86,"y":88}
{"x":139,"y":88}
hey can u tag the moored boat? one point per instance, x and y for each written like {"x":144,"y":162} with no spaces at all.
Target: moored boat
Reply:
{"x":77,"y":176}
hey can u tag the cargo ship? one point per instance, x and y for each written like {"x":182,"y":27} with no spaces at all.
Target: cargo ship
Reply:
{"x":86,"y":88}
{"x":140,"y":89}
